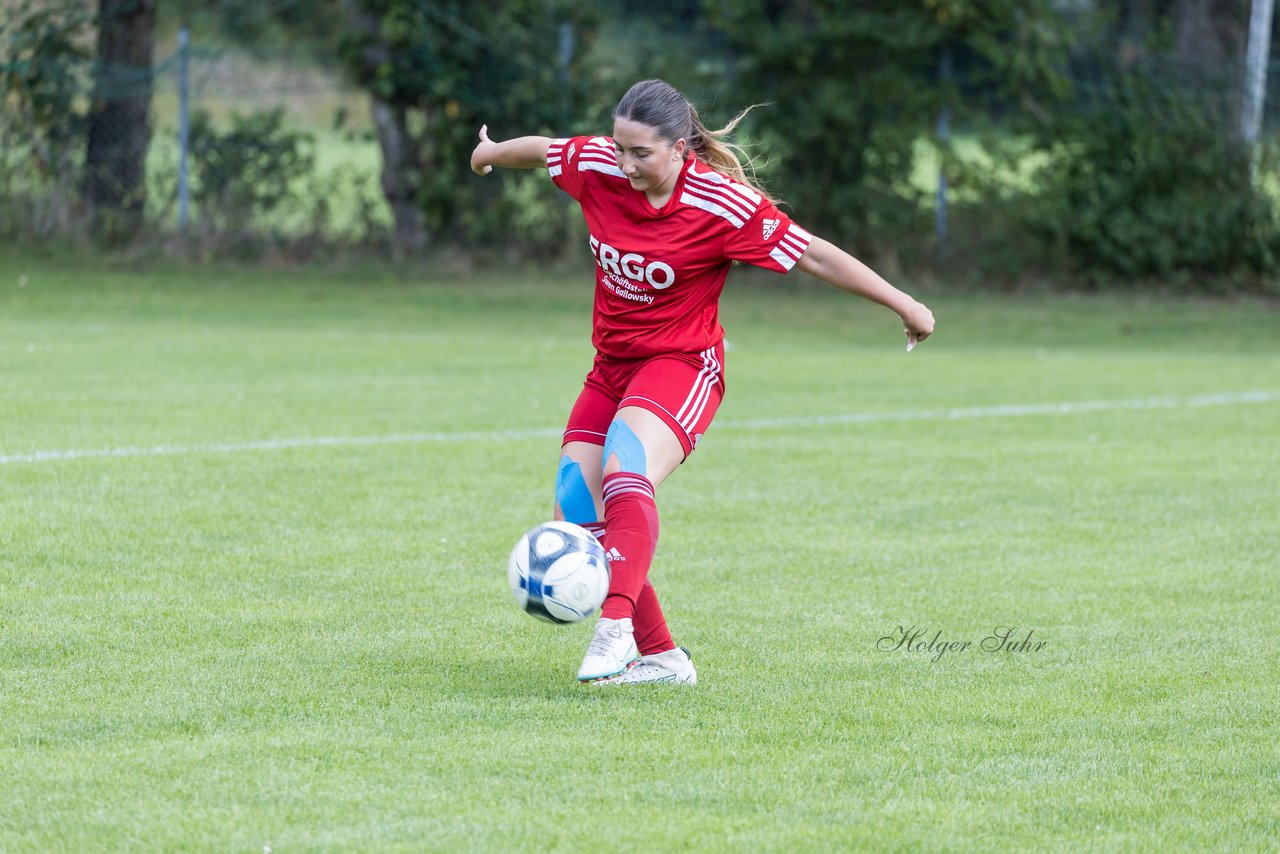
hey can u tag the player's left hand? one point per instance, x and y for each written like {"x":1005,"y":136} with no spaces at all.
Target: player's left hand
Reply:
{"x":917,"y":323}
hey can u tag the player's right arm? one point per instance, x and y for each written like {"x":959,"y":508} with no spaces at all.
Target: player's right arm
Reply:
{"x":523,"y":152}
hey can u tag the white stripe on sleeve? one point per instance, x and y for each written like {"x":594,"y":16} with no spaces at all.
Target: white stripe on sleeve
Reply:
{"x":711,"y":207}
{"x":784,"y":260}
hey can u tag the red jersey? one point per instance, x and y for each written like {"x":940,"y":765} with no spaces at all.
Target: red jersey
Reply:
{"x":659,"y":272}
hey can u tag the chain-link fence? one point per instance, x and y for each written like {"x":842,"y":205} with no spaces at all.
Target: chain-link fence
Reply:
{"x":277,"y":144}
{"x":236,"y":142}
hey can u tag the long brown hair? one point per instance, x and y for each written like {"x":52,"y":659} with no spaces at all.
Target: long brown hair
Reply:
{"x":662,"y":107}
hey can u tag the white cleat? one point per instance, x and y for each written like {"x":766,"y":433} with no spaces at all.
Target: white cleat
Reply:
{"x":612,"y":651}
{"x":672,"y":666}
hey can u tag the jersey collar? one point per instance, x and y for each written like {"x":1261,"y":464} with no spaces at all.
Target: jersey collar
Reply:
{"x":676,"y":191}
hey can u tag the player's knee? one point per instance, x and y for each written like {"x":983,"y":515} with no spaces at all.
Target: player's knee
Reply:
{"x":573,"y":495}
{"x":621,"y":443}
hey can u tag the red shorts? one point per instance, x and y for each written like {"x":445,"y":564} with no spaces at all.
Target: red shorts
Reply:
{"x":683,"y":389}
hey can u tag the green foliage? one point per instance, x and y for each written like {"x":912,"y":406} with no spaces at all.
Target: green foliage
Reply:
{"x":1150,"y":182}
{"x":680,"y":45}
{"x":1122,"y":174}
{"x":43,"y":76}
{"x":250,"y":168}
{"x":261,"y":28}
{"x":41,"y":69}
{"x":454,"y":66}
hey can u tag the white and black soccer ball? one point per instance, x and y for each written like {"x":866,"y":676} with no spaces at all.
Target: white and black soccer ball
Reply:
{"x":558,"y":572}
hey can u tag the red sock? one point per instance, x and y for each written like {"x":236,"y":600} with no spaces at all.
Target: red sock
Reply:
{"x":651,"y":632}
{"x":630,"y":537}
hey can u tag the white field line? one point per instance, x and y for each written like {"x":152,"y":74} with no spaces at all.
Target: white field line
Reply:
{"x":999,"y":411}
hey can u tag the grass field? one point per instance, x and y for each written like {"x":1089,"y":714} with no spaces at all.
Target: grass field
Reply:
{"x":253,"y":531}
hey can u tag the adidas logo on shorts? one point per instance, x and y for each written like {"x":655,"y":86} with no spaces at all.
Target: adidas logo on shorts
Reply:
{"x":613,"y":554}
{"x":770,"y":226}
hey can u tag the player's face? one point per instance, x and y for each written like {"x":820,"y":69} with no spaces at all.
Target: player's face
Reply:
{"x":650,"y":162}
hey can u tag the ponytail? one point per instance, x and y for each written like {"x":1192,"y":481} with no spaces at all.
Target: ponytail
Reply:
{"x":713,"y":148}
{"x":660,"y":105}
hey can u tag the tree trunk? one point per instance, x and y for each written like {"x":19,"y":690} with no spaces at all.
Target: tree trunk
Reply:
{"x":401,"y":159}
{"x":400,"y":175}
{"x":1210,"y":31}
{"x":119,"y":127}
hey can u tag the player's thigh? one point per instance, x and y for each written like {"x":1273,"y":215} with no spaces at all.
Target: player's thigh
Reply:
{"x":642,"y":443}
{"x":667,"y":406}
{"x":578,"y":476}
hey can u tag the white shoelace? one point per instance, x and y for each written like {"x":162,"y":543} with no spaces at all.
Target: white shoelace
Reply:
{"x":603,"y":641}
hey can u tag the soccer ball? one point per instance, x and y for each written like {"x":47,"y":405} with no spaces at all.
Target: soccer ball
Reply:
{"x":558,"y":572}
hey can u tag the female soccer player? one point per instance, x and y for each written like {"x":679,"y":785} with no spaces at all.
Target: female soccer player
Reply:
{"x":669,"y":208}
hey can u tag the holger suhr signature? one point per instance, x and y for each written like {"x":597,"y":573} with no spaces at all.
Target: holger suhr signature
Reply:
{"x":916,"y":639}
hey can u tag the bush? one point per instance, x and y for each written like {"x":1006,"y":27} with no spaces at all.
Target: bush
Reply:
{"x":44,"y":74}
{"x":1150,"y":182}
{"x":247,"y":170}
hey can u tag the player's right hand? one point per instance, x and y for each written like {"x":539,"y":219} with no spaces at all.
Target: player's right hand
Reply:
{"x":479,"y":159}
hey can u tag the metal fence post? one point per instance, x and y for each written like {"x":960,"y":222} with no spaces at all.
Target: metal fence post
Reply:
{"x":1255,"y":82}
{"x":184,"y":125}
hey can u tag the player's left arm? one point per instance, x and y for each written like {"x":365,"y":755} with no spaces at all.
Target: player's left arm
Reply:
{"x":832,"y":264}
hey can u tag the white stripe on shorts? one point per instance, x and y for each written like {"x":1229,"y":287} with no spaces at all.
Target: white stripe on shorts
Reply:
{"x":696,"y":402}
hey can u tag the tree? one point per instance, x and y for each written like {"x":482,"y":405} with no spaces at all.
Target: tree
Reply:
{"x":119,"y":126}
{"x":435,"y":72}
{"x":1140,"y":173}
{"x":852,"y":89}
{"x":401,"y":167}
